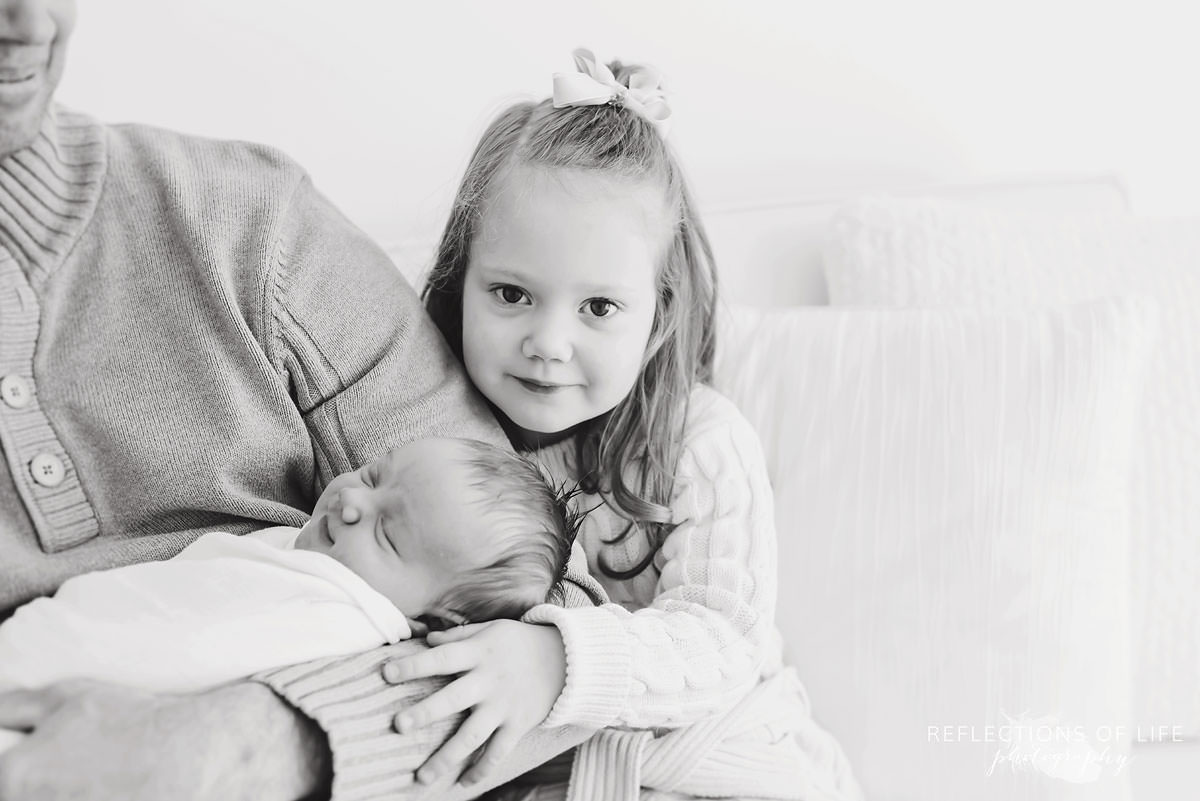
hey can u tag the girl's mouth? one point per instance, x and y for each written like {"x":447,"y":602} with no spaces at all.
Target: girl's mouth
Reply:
{"x":540,"y":387}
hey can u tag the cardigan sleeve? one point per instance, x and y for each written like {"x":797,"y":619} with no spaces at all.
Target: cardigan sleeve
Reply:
{"x":349,"y":700}
{"x":368,"y":370}
{"x":353,"y":346}
{"x":702,"y":642}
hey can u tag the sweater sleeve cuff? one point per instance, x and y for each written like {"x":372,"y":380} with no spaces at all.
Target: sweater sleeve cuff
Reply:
{"x":599,"y":664}
{"x":354,"y":706}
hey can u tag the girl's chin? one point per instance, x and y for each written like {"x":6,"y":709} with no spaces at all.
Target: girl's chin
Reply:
{"x":537,"y":435}
{"x":540,"y":429}
{"x":535,"y":424}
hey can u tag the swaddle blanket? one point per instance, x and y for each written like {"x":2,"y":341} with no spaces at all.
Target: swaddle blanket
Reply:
{"x":224,"y":608}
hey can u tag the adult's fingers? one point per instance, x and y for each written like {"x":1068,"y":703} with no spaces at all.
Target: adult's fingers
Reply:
{"x":455,"y":752}
{"x":444,"y":660}
{"x":501,"y":744}
{"x":457,"y":696}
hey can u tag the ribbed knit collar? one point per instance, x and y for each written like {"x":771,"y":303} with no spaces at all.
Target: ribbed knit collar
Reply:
{"x":49,"y":190}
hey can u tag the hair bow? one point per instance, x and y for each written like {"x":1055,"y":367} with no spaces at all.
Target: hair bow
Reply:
{"x":594,"y":85}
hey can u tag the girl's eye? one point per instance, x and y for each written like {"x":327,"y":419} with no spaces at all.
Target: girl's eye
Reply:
{"x":507,"y":293}
{"x":600,"y":307}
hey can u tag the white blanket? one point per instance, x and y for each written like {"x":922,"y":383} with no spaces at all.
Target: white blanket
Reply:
{"x":224,"y":608}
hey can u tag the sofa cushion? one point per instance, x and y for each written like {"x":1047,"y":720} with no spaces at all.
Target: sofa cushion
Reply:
{"x":933,"y":252}
{"x":950,"y":493}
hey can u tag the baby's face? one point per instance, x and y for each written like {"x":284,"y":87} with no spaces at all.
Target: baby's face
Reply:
{"x":402,"y":523}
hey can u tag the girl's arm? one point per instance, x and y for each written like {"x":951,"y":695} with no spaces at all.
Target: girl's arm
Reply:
{"x":696,"y":649}
{"x":701,"y":643}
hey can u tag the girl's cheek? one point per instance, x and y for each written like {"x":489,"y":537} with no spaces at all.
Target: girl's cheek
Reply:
{"x":471,"y":362}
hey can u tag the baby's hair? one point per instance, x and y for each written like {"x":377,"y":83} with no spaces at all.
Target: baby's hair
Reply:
{"x":646,"y":428}
{"x":530,"y":526}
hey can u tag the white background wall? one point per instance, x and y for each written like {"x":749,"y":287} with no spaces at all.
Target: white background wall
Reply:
{"x":382,"y":100}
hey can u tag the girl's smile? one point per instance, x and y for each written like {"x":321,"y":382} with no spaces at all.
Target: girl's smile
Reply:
{"x":542,"y":388}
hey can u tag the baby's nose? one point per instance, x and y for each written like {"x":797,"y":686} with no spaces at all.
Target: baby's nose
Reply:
{"x":351,"y":508}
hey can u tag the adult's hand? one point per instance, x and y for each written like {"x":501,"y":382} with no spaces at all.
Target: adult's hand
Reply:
{"x":97,"y":741}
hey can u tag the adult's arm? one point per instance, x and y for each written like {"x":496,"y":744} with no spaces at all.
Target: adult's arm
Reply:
{"x":355,"y":707}
{"x":351,"y":345}
{"x":368,"y":370}
{"x":98,"y":741}
{"x":239,"y":742}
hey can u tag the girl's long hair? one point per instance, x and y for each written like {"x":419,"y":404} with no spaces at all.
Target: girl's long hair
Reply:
{"x":630,"y":454}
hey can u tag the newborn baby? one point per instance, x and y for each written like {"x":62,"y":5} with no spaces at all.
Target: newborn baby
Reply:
{"x":442,"y":530}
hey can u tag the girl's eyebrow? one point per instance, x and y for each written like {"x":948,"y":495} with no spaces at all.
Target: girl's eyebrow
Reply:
{"x":503,"y":272}
{"x":507,"y":274}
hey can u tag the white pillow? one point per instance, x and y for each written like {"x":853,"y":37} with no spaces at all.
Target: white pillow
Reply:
{"x":927,"y":252}
{"x":950,"y":499}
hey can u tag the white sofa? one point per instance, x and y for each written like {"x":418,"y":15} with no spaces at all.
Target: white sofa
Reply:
{"x":889,"y":680}
{"x":774,"y":259}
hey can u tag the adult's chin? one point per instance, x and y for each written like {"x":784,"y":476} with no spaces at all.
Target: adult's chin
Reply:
{"x":20,"y":123}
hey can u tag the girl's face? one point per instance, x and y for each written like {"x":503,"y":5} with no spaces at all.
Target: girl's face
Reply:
{"x":559,"y":295}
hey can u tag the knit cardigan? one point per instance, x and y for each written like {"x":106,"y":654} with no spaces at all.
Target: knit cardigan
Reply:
{"x":202,"y":341}
{"x":192,"y":338}
{"x":686,"y":660}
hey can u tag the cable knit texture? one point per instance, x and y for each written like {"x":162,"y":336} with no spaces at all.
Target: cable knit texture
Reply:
{"x":684,"y":643}
{"x":703,"y":631}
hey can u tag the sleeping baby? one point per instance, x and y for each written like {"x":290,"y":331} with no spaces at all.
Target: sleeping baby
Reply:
{"x":444,"y":531}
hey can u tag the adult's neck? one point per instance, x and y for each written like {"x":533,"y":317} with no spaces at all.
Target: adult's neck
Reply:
{"x":48,"y":190}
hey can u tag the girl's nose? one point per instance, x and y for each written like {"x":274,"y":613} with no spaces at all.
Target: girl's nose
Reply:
{"x":549,"y":341}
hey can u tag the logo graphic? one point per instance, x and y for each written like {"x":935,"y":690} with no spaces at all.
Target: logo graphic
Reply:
{"x":1061,"y":752}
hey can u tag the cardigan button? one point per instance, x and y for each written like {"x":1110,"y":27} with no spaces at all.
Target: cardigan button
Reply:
{"x":15,"y":391}
{"x":47,"y":470}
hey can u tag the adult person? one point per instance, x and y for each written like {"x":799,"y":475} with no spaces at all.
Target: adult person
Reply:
{"x":192,"y":338}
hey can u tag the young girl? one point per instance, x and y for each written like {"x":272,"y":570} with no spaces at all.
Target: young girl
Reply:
{"x":575,"y":282}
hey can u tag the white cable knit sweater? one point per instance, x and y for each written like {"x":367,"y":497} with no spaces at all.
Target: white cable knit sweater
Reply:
{"x":688,"y":642}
